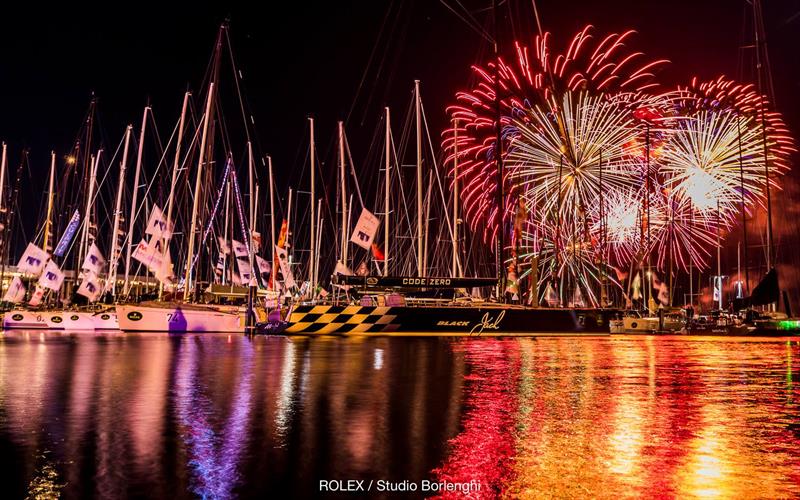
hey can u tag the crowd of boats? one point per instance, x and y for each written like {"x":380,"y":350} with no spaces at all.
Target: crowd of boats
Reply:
{"x":234,"y":279}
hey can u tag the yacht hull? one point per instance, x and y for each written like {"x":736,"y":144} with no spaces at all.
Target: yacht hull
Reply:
{"x":178,"y":319}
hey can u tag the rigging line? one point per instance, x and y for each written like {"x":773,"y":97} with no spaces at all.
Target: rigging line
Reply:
{"x":477,"y":29}
{"x":371,"y":57}
{"x":236,"y":77}
{"x":352,"y":168}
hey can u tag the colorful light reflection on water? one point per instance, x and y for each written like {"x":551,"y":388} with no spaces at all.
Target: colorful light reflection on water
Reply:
{"x":223,"y":416}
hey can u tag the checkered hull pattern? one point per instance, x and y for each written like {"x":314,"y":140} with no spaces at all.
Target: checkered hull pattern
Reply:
{"x":341,"y":319}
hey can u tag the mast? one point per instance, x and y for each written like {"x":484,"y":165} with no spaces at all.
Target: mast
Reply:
{"x":417,"y":106}
{"x":343,"y":195}
{"x":251,"y":187}
{"x":95,"y":160}
{"x":744,"y":213}
{"x":112,"y":256}
{"x":48,"y":225}
{"x":317,"y":245}
{"x":289,"y":227}
{"x":227,"y":232}
{"x":454,"y":265}
{"x":175,"y":167}
{"x":386,"y":184}
{"x":758,"y":28}
{"x":718,"y":279}
{"x":134,"y":200}
{"x":313,"y":232}
{"x":197,"y":186}
{"x":272,"y":217}
{"x":499,"y":157}
{"x":3,"y":165}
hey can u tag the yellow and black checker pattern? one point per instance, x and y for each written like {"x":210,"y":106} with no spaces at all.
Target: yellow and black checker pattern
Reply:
{"x":341,"y":319}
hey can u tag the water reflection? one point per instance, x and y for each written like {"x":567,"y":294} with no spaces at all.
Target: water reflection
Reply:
{"x":222,"y":416}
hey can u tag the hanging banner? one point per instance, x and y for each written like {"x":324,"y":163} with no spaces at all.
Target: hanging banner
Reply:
{"x":148,"y":255}
{"x":52,"y":277}
{"x":286,"y":271}
{"x":157,"y":224}
{"x":90,"y":287}
{"x":33,"y":260}
{"x":69,"y":233}
{"x":239,"y":249}
{"x":263,"y":266}
{"x":94,"y":260}
{"x":220,"y":267}
{"x":365,"y":230}
{"x":15,"y":292}
{"x":245,"y":271}
{"x":255,"y":237}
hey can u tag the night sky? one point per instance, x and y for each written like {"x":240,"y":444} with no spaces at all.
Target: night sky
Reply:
{"x":301,"y":59}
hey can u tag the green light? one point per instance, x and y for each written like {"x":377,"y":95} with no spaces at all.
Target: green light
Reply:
{"x":789,"y":324}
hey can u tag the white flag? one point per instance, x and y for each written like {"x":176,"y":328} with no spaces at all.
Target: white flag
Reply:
{"x":255,"y":237}
{"x":94,"y":260}
{"x":365,"y":230}
{"x":220,"y":267}
{"x":158,"y":225}
{"x":32,"y":260}
{"x":240,"y":249}
{"x":245,"y":272}
{"x":15,"y":292}
{"x":90,"y":287}
{"x":148,"y":255}
{"x":52,"y":277}
{"x":263,"y":266}
{"x":36,"y":297}
{"x":165,"y":274}
{"x":286,"y":271}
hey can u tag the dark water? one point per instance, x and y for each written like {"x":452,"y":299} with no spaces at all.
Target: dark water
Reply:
{"x":219,"y":416}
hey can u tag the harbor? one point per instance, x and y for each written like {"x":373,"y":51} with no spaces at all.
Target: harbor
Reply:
{"x":467,"y":249}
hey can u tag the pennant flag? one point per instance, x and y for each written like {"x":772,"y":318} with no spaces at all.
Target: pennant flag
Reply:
{"x":157,"y":225}
{"x":223,"y":245}
{"x":240,"y":249}
{"x":717,"y":288}
{"x":245,"y":271}
{"x":36,"y":297}
{"x":255,"y":237}
{"x":362,"y":269}
{"x":52,"y":277}
{"x":15,"y":292}
{"x":94,"y":260}
{"x":33,"y":260}
{"x":69,"y":233}
{"x":365,"y":230}
{"x":286,"y":271}
{"x":90,"y":287}
{"x":263,"y":266}
{"x":377,"y":253}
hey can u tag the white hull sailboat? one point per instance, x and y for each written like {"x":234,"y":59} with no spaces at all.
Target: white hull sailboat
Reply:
{"x":180,"y":317}
{"x":60,"y":320}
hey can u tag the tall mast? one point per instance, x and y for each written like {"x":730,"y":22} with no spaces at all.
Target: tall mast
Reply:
{"x":289,"y":225}
{"x":3,"y":165}
{"x":343,"y":195}
{"x":454,"y":267}
{"x":744,"y":213}
{"x":387,"y":166}
{"x":718,"y":279}
{"x":417,"y":106}
{"x":272,"y":218}
{"x":197,"y":185}
{"x":95,"y":160}
{"x":227,"y":230}
{"x":252,"y":189}
{"x":313,"y":233}
{"x":499,"y":157}
{"x":48,"y":225}
{"x":176,"y":164}
{"x":112,"y":256}
{"x":317,"y":245}
{"x":134,"y":201}
{"x":758,"y":28}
